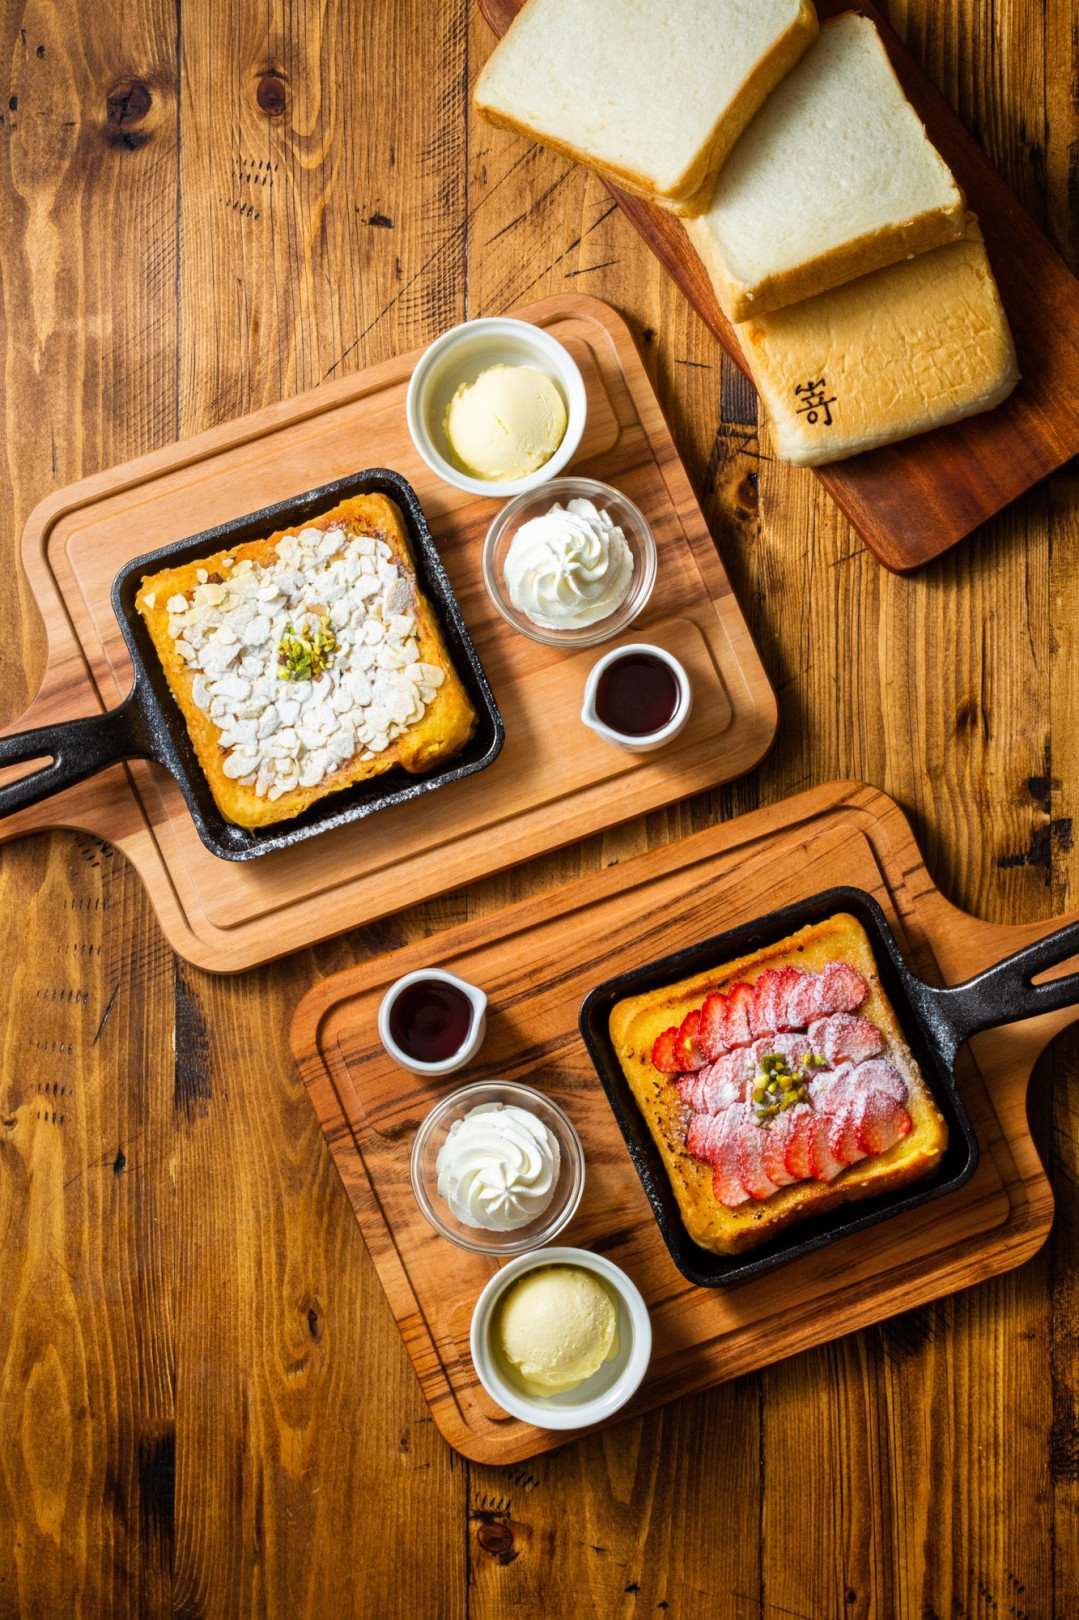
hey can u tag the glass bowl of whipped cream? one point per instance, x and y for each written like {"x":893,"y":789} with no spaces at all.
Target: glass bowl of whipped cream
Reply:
{"x":571,"y":563}
{"x":497,"y":1168}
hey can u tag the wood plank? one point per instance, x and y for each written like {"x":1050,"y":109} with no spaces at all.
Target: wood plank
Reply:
{"x":294,"y":1373}
{"x":615,"y":1523}
{"x":913,"y":500}
{"x":87,"y":266}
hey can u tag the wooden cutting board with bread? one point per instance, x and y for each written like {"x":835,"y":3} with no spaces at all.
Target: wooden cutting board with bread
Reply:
{"x":909,"y":330}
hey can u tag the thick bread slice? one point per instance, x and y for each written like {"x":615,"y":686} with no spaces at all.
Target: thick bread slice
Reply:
{"x":833,"y":178}
{"x":654,"y":93}
{"x":634,"y":1025}
{"x":905,"y":349}
{"x":446,"y":724}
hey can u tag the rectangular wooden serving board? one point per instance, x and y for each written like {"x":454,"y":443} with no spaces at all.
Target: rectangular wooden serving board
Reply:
{"x":912,"y":501}
{"x":537,"y":961}
{"x":554,"y":781}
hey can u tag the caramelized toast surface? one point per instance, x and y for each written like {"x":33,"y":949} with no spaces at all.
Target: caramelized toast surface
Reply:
{"x":637,"y":1021}
{"x":448,"y":719}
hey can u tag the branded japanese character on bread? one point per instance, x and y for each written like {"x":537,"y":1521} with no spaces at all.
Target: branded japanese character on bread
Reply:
{"x":306,"y":662}
{"x":778,"y":1086}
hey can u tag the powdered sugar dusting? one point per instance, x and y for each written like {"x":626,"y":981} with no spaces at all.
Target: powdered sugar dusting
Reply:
{"x":278,"y":734}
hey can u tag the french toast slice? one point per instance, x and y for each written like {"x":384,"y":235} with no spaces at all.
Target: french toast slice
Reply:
{"x":638,"y":1021}
{"x":440,"y":731}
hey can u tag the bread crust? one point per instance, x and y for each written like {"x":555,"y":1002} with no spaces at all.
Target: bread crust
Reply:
{"x":636,"y":1022}
{"x":858,"y":257}
{"x":905,"y":349}
{"x":691,"y":193}
{"x":446,"y":725}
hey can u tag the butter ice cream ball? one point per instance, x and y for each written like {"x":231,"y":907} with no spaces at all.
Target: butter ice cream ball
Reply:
{"x":557,"y":1326}
{"x":507,"y":423}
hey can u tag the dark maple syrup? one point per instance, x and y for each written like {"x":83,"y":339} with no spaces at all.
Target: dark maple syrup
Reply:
{"x":637,"y":694}
{"x":430,"y":1020}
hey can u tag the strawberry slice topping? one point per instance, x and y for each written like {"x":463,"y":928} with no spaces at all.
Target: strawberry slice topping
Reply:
{"x":801,"y":1006}
{"x":842,"y":1038}
{"x":700,"y":1142}
{"x":789,"y":980}
{"x":882,"y":1124}
{"x":722,"y":1083}
{"x":842,"y":1096}
{"x":843,"y":1137}
{"x":879,"y":1075}
{"x":736,"y":1068}
{"x":762,"y":1013}
{"x":663,"y":1054}
{"x":822,"y":1161}
{"x":726,"y":1176}
{"x":776,"y":1138}
{"x":832,"y":1089}
{"x":736,"y":1026}
{"x":711,"y":1037}
{"x":842,"y":989}
{"x":691,"y":1091}
{"x":751,"y":1162}
{"x":802,"y":1121}
{"x":687,"y":1047}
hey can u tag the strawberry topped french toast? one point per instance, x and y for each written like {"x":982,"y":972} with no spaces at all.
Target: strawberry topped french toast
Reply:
{"x":778,"y":1086}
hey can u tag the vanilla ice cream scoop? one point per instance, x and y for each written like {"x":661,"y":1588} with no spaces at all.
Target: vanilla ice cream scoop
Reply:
{"x":557,"y":1326}
{"x":507,"y":423}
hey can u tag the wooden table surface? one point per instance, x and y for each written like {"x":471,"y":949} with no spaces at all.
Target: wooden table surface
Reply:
{"x":205,"y":1409}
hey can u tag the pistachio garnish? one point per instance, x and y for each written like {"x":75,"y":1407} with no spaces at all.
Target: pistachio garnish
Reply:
{"x":302,"y":656}
{"x":778,"y":1087}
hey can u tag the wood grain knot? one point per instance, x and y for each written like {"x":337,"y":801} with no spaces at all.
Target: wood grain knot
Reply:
{"x":496,"y":1539}
{"x":126,"y":106}
{"x":270,"y":94}
{"x":747,"y":496}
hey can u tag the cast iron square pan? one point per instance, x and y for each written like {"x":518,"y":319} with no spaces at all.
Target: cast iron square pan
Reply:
{"x":397,"y":786}
{"x":716,"y":1270}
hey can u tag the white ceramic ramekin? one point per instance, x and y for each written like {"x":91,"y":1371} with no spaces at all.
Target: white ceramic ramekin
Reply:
{"x":607,"y":1390}
{"x":472,"y":1043}
{"x":651,"y":739}
{"x":459,"y":356}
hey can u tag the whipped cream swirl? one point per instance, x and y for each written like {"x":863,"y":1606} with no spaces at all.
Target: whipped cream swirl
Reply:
{"x":568,"y":567}
{"x":498,"y":1167}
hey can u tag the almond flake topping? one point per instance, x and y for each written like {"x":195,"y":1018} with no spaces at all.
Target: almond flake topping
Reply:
{"x":280,"y":733}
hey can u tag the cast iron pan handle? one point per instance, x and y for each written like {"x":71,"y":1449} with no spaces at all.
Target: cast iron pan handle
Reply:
{"x":79,"y":748}
{"x":1004,"y":994}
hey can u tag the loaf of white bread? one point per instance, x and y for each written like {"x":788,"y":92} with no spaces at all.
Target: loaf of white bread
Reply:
{"x":834,"y":234}
{"x":652,"y":93}
{"x":834,"y":177}
{"x":910,"y":347}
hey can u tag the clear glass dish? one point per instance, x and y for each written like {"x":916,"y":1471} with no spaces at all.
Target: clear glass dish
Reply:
{"x":622,"y":511}
{"x":433,"y":1132}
